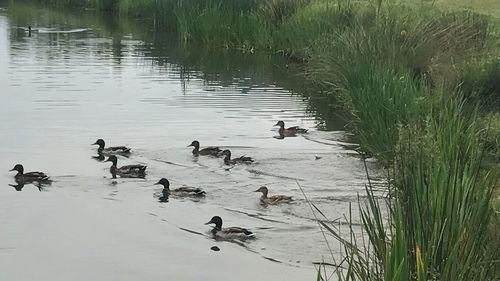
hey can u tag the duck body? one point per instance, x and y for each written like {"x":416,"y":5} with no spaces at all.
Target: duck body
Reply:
{"x":30,"y":177}
{"x":290,"y":131}
{"x":112,"y":150}
{"x":128,"y":171}
{"x":207,"y":151}
{"x":184,"y":191}
{"x":272,"y":200}
{"x":239,"y":160}
{"x":229,"y":232}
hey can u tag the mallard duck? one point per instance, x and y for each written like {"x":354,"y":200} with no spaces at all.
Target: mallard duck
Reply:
{"x":272,"y":200}
{"x":181,"y":191}
{"x":112,"y":150}
{"x":211,"y":151}
{"x":30,"y":177}
{"x":239,"y":160}
{"x":230,"y":232}
{"x":291,"y":131}
{"x":128,"y":171}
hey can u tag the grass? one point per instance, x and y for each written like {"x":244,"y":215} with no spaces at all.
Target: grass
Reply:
{"x":421,"y":88}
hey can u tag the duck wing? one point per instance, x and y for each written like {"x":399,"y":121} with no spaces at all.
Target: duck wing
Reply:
{"x":276,"y":199}
{"x":132,"y":171}
{"x":122,"y":149}
{"x":237,"y":231}
{"x":213,"y":151}
{"x":189,"y":190}
{"x":243,"y":159}
{"x":297,"y":129}
{"x":35,"y":176}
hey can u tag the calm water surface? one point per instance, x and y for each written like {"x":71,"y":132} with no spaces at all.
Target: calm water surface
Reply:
{"x":82,"y":77}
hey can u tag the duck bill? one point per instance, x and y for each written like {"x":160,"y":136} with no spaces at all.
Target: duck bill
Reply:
{"x":277,"y":124}
{"x":156,"y":183}
{"x":258,"y":190}
{"x":190,"y":145}
{"x":209,"y":222}
{"x":11,"y":170}
{"x":95,"y":143}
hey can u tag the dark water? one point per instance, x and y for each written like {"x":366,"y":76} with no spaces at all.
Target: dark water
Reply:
{"x":83,"y":76}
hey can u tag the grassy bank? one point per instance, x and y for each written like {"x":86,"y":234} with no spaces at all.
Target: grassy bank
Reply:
{"x":421,"y":85}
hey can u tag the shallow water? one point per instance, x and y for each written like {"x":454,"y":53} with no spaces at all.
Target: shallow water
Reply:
{"x":80,"y":77}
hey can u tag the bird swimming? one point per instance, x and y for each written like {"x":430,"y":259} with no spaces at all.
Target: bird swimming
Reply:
{"x":112,"y":150}
{"x":239,"y":160}
{"x":289,"y":132}
{"x":128,"y":171}
{"x":30,"y":177}
{"x":211,"y":151}
{"x":229,"y":232}
{"x":181,"y":191}
{"x":272,"y":200}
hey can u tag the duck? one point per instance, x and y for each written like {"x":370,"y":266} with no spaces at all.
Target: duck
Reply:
{"x":239,"y":160}
{"x":112,"y":150}
{"x":181,"y":191}
{"x":128,"y":171}
{"x":210,"y":151}
{"x":30,"y":177}
{"x":229,"y":232}
{"x":272,"y":200}
{"x":289,"y":132}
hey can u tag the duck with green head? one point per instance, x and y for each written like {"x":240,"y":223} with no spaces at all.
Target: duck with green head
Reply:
{"x":229,"y":232}
{"x":209,"y":151}
{"x":182,"y":191}
{"x":111,"y":150}
{"x":128,"y":171}
{"x":239,"y":160}
{"x":30,"y":177}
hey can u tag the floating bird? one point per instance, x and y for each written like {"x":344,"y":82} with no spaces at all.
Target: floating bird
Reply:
{"x":181,"y":191}
{"x":30,"y":177}
{"x":230,"y":232}
{"x":112,"y":150}
{"x":128,"y":171}
{"x":272,"y":200}
{"x":289,"y":132}
{"x":211,"y":151}
{"x":239,"y":160}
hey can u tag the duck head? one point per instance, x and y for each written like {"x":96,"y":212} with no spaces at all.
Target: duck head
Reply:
{"x":217,"y":221}
{"x":164,"y":182}
{"x":19,"y":168}
{"x":195,"y":144}
{"x":112,"y":159}
{"x":281,"y":124}
{"x":100,"y":143}
{"x":263,"y":189}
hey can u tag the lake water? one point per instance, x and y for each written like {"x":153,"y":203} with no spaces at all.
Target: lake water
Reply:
{"x":83,"y":76}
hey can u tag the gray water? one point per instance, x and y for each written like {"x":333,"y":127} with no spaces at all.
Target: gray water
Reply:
{"x":79,"y":78}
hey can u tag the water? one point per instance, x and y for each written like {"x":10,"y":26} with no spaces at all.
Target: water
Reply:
{"x":81,"y":77}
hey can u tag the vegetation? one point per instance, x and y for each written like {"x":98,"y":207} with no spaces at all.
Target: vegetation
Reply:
{"x":422,"y":88}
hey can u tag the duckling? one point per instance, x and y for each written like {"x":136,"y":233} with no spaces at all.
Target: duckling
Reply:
{"x":289,"y":132}
{"x":239,"y":160}
{"x":181,"y":191}
{"x":230,"y":232}
{"x":30,"y":177}
{"x":272,"y":200}
{"x":128,"y":171}
{"x":211,"y":151}
{"x":112,"y":150}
